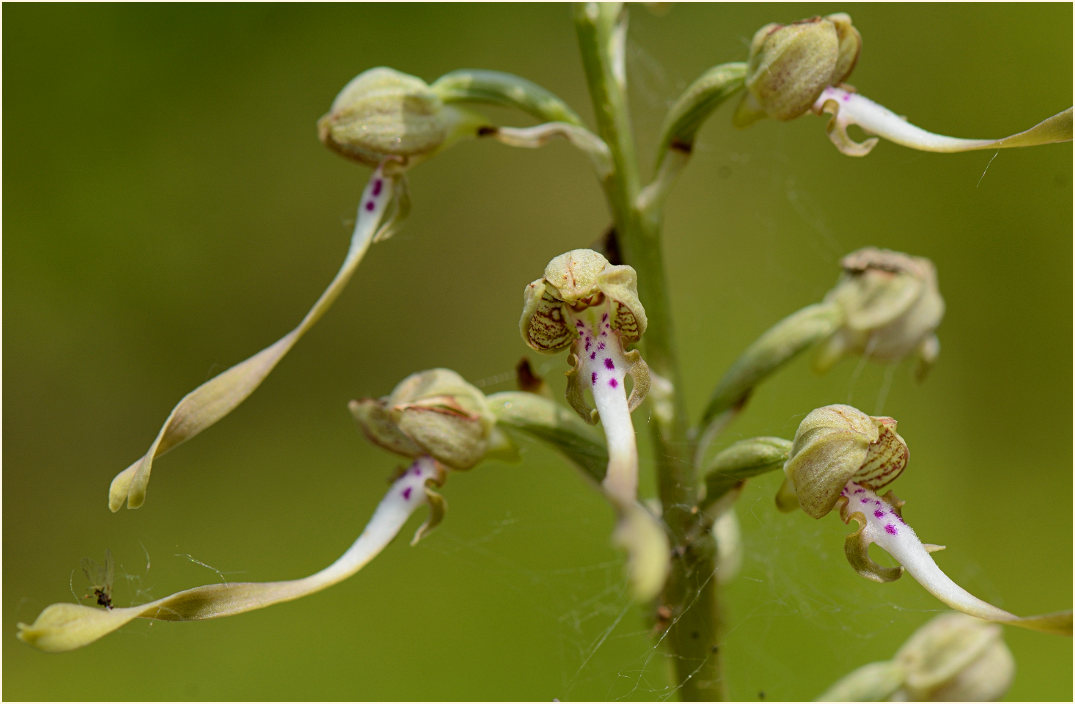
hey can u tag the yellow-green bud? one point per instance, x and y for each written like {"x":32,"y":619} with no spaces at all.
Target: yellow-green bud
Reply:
{"x":956,"y":657}
{"x":383,"y":113}
{"x":892,"y":307}
{"x":436,"y":413}
{"x":578,"y":280}
{"x":835,"y":445}
{"x":791,"y":64}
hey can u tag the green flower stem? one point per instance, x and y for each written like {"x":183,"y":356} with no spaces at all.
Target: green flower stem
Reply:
{"x":689,"y":600}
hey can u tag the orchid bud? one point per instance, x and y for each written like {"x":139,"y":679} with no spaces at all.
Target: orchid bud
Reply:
{"x":436,"y":413}
{"x":790,"y":65}
{"x":891,"y":306}
{"x":383,"y":113}
{"x":956,"y":658}
{"x":952,"y":658}
{"x":835,"y":445}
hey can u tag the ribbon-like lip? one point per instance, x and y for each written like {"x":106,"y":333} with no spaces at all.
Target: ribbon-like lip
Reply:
{"x":62,"y":627}
{"x":850,"y":108}
{"x":881,"y":522}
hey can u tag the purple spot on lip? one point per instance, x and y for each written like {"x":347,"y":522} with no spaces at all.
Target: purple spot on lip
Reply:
{"x":369,"y":205}
{"x":864,"y":501}
{"x":859,"y":491}
{"x":877,"y":502}
{"x":588,"y":343}
{"x":416,"y":471}
{"x":407,"y":493}
{"x":878,"y":514}
{"x":890,"y":529}
{"x":593,"y":378}
{"x":593,"y":355}
{"x":613,"y":383}
{"x":600,"y":345}
{"x":377,"y":187}
{"x":604,"y":317}
{"x":609,"y":364}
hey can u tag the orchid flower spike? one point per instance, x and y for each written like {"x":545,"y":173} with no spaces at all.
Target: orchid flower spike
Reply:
{"x":382,"y":118}
{"x":64,"y":626}
{"x":840,"y":458}
{"x":585,"y":304}
{"x":800,"y":67}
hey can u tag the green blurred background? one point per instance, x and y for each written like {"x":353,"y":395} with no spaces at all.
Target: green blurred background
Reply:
{"x":169,"y":211}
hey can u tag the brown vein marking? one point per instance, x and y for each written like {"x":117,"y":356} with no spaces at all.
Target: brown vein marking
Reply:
{"x":886,"y":460}
{"x":626,"y":323}
{"x":546,"y":330}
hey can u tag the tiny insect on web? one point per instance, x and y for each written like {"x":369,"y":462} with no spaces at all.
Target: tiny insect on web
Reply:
{"x":100,"y":578}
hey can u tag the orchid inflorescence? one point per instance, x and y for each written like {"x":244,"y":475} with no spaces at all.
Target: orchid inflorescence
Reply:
{"x":886,"y":306}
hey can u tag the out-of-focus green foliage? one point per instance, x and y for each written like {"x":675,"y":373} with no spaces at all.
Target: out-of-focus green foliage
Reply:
{"x":169,"y":211}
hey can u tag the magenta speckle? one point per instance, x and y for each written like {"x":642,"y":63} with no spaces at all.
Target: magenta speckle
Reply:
{"x":864,"y":501}
{"x":593,"y":379}
{"x":407,"y":493}
{"x":613,"y":383}
{"x":609,"y":364}
{"x":588,"y":343}
{"x":604,"y":318}
{"x":847,"y":97}
{"x":593,"y":356}
{"x":377,"y":187}
{"x":878,"y":513}
{"x":890,"y":529}
{"x":416,"y":471}
{"x":859,"y":491}
{"x":600,"y":346}
{"x":369,"y":206}
{"x":877,"y":502}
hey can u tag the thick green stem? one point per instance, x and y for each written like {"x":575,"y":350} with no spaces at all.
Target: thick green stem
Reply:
{"x":688,"y":606}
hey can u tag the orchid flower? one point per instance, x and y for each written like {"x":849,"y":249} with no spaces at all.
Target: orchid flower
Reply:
{"x":800,"y":67}
{"x":382,"y":118}
{"x":591,"y":307}
{"x":64,"y":626}
{"x":391,"y":121}
{"x":840,"y":457}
